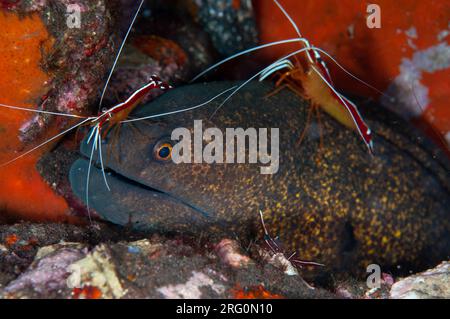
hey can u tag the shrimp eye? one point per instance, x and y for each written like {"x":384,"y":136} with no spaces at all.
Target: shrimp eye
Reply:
{"x":163,"y":151}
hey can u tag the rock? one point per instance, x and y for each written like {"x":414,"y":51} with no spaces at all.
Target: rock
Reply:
{"x":228,"y":251}
{"x":231,"y":24}
{"x":432,"y":283}
{"x":47,"y":274}
{"x":137,"y":267}
{"x":49,"y":65}
{"x":191,"y":289}
{"x":66,"y":261}
{"x":97,"y":270}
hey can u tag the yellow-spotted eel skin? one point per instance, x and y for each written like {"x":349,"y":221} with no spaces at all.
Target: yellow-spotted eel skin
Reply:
{"x":332,"y":202}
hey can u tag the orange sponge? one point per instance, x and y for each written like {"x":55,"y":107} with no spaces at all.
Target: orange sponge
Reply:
{"x":23,"y":193}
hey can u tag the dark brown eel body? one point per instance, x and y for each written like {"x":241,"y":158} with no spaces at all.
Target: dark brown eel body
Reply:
{"x":334,"y":204}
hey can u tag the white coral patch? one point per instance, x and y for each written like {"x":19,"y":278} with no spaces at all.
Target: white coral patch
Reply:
{"x":409,"y":93}
{"x":447,"y":138}
{"x":191,"y":288}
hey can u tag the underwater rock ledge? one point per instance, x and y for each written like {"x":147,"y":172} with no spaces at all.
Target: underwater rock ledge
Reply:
{"x":39,"y":260}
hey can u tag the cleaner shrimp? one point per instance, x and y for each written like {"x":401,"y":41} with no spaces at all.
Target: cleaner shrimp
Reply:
{"x":107,"y":118}
{"x":311,"y":79}
{"x":118,"y":114}
{"x":122,"y":110}
{"x":276,"y":249}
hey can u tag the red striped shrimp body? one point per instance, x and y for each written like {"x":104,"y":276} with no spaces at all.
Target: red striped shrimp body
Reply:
{"x":315,"y":79}
{"x":100,"y":125}
{"x":310,"y":79}
{"x":118,"y":113}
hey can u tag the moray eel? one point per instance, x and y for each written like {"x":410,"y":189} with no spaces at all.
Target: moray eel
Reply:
{"x":330,"y":201}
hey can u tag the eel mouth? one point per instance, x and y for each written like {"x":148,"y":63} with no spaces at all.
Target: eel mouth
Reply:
{"x":130,"y":201}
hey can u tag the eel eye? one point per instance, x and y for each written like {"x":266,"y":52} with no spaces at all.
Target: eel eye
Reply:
{"x":163,"y":151}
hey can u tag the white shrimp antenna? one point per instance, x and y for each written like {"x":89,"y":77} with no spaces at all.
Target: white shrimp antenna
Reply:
{"x":295,"y":26}
{"x":297,"y":29}
{"x":96,"y":138}
{"x":94,"y":132}
{"x":184,"y":109}
{"x":315,"y":49}
{"x":368,"y":144}
{"x":46,"y":142}
{"x":263,"y":71}
{"x":349,"y":73}
{"x":259,"y":47}
{"x":119,"y":53}
{"x":42,"y":111}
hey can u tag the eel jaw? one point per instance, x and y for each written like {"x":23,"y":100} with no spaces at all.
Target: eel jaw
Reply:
{"x":129,"y":201}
